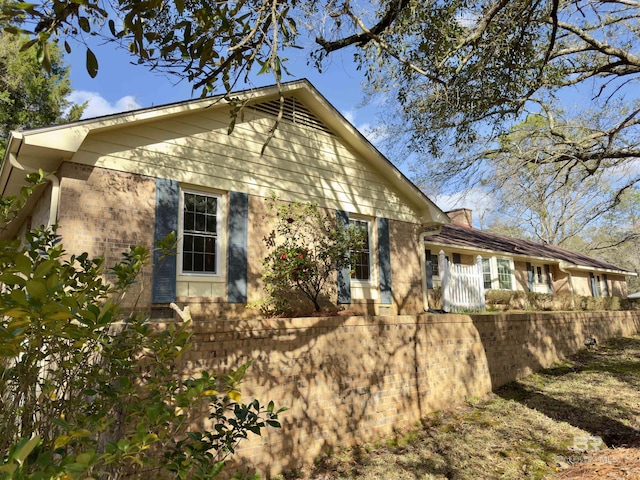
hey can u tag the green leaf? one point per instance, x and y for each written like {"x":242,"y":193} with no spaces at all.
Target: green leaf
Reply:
{"x":25,"y":450}
{"x":44,"y":268}
{"x":23,"y":264}
{"x":84,"y":24}
{"x":11,"y":279}
{"x":28,"y":45}
{"x":37,"y":289}
{"x":92,"y":64}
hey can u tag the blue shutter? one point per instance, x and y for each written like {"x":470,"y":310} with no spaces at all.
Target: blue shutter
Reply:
{"x":606,"y":285}
{"x":547,"y":270}
{"x":344,"y":274}
{"x":238,"y":241}
{"x":163,"y":288}
{"x":429,"y":260}
{"x":384,"y":258}
{"x":530,"y":276}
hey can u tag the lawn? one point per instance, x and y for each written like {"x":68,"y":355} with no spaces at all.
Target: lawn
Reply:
{"x":577,"y":420}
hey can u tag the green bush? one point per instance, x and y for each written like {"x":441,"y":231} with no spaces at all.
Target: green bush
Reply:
{"x":90,"y":391}
{"x":306,"y":249}
{"x":520,"y":300}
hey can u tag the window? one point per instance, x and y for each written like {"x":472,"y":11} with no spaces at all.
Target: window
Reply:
{"x":362,"y":265}
{"x":434,"y":263}
{"x":504,"y":274}
{"x":199,"y":233}
{"x":486,"y":273}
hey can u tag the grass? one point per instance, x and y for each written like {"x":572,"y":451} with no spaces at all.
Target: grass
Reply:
{"x":529,"y":429}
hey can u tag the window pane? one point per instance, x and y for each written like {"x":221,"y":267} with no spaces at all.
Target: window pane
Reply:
{"x":199,"y":245}
{"x":189,"y":222}
{"x":361,"y":269}
{"x":198,"y":262}
{"x":504,"y":274}
{"x":212,"y":205}
{"x":189,"y":200}
{"x":211,"y":224}
{"x":486,"y":273}
{"x":201,"y":203}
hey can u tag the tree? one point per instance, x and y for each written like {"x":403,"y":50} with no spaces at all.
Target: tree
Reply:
{"x":458,"y":70}
{"x":88,"y":390}
{"x":29,"y":96}
{"x":306,"y":249}
{"x":548,"y":204}
{"x":616,"y":237}
{"x":484,"y":65}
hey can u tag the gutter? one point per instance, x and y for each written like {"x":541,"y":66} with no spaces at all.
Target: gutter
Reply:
{"x":55,"y":183}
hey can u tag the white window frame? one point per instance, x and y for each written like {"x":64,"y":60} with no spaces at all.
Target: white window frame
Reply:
{"x":219,"y":243}
{"x":371,"y":246}
{"x":487,"y":261}
{"x":511,"y":270}
{"x":493,"y":269}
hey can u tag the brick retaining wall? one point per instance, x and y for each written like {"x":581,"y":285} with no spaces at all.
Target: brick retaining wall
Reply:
{"x":352,"y":379}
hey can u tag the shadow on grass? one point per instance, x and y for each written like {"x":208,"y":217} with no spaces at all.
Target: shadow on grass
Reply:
{"x":592,"y":413}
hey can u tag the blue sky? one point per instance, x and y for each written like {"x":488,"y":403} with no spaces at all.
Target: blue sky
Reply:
{"x":120,"y":85}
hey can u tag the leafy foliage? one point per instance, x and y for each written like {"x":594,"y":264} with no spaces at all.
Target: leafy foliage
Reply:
{"x":29,"y":96}
{"x":87,"y":390}
{"x":306,"y":248}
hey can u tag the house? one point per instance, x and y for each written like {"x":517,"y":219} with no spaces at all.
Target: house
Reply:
{"x":131,"y":178}
{"x":513,"y":264}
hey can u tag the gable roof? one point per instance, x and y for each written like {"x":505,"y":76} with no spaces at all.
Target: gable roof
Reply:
{"x":48,"y":147}
{"x":455,"y":235}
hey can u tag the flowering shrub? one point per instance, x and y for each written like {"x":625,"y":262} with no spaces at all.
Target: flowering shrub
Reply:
{"x":306,"y":249}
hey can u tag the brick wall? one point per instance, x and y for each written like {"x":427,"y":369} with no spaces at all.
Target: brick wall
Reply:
{"x":104,"y":212}
{"x":406,"y":268}
{"x":352,"y":379}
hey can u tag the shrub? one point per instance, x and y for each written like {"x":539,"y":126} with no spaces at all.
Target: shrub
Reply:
{"x":87,"y":390}
{"x":306,"y":249}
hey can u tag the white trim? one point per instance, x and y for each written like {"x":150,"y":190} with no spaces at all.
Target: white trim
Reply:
{"x":221,"y":234}
{"x":373,"y":258}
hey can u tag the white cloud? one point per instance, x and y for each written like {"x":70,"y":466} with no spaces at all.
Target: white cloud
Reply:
{"x":350,"y":115}
{"x":373,"y":134}
{"x":475,"y":199}
{"x":97,"y":105}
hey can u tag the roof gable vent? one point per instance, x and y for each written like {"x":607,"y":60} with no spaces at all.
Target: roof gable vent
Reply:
{"x":294,"y":112}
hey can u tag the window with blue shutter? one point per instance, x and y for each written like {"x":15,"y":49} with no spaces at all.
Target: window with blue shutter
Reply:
{"x":384,"y":257}
{"x":344,"y":274}
{"x":238,"y":247}
{"x":163,"y":288}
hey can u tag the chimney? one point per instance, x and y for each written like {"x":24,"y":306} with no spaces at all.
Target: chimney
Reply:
{"x":461,"y":216}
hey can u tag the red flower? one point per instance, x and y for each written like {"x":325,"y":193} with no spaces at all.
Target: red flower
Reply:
{"x":284,"y":256}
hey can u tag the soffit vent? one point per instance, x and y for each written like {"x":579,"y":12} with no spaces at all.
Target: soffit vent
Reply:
{"x":294,"y":112}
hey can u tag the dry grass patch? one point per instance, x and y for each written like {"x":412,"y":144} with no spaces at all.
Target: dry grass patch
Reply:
{"x":548,"y":425}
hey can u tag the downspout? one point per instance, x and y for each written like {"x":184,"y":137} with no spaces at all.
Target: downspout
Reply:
{"x":55,"y":188}
{"x":562,"y":266}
